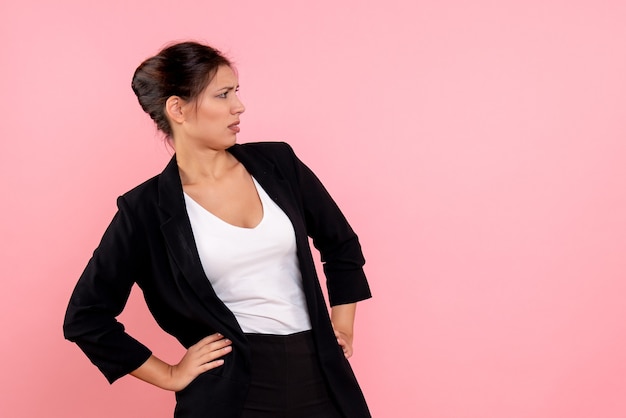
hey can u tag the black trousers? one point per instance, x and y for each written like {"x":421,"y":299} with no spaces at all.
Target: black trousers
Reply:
{"x":287,"y":381}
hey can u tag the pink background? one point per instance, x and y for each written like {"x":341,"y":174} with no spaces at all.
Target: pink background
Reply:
{"x":479,"y":149}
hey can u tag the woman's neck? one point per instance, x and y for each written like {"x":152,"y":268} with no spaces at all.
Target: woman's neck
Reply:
{"x":204,"y":166}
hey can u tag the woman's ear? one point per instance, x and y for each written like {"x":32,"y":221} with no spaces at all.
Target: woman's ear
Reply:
{"x":174,"y":109}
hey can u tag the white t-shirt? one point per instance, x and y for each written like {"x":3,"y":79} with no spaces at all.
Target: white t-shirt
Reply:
{"x":254,"y":271}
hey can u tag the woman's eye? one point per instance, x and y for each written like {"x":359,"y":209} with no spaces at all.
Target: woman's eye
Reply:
{"x":223,"y":95}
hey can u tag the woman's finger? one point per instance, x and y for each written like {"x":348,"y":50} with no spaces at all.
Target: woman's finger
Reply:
{"x":210,"y":354}
{"x":208,"y":340}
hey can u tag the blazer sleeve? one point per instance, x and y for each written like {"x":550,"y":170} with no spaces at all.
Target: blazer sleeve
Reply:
{"x":334,"y":238}
{"x":100,"y":296}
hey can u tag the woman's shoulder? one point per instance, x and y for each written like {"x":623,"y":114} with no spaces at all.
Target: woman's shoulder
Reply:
{"x":276,"y":153}
{"x":148,"y":191}
{"x":270,"y":148}
{"x":145,"y":193}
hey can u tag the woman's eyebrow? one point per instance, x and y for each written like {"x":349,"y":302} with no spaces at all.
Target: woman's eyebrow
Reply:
{"x":228,"y":88}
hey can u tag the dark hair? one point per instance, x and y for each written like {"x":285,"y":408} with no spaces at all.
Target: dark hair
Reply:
{"x":183,"y":69}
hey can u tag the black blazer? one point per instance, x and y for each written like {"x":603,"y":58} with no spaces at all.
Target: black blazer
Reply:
{"x":150,"y":242}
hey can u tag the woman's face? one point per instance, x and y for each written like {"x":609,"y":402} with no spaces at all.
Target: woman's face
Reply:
{"x":212,"y":121}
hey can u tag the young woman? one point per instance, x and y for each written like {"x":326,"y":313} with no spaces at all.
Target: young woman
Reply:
{"x":218,"y":243}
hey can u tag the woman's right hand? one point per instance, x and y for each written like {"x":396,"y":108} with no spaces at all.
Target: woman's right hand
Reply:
{"x":205,"y":355}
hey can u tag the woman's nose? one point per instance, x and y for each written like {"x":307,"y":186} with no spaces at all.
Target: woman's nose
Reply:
{"x":238,"y":107}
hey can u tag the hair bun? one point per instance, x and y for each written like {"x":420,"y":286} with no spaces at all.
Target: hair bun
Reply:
{"x":182,"y":69}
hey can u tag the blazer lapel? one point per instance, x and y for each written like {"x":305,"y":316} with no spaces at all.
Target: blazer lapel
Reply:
{"x":178,"y":235}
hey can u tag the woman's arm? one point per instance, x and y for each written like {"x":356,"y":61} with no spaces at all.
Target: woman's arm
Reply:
{"x":101,"y":294}
{"x":333,"y":236}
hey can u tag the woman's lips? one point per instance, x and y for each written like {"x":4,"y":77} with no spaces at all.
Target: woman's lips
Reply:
{"x":234,"y":127}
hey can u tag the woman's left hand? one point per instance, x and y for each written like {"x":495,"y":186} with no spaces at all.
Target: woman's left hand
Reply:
{"x":345,"y":342}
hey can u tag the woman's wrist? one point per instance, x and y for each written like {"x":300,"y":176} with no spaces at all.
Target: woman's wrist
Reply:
{"x":158,"y":373}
